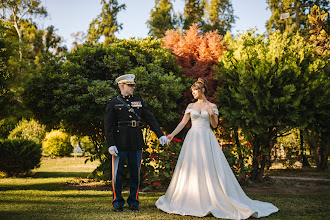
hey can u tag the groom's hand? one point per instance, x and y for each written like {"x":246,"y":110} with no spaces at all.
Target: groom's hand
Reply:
{"x":113,"y":150}
{"x":163,"y":140}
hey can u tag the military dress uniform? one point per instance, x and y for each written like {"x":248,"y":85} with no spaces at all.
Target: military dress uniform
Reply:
{"x":123,"y":130}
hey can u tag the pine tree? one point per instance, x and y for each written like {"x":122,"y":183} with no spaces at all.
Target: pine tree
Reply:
{"x":105,"y":24}
{"x":294,"y":7}
{"x":193,"y":13}
{"x":162,"y":18}
{"x":219,"y":16}
{"x":319,"y":35}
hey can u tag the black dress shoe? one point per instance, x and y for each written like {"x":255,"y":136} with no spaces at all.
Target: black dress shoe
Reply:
{"x":118,"y":209}
{"x":134,"y":208}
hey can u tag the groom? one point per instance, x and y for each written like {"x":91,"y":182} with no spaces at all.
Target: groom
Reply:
{"x":123,"y":123}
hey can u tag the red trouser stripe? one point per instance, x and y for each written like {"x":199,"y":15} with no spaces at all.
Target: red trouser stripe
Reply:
{"x":137,"y":192}
{"x":113,"y":179}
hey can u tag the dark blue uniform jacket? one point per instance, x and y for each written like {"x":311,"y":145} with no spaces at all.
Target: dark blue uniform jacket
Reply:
{"x":127,"y":137}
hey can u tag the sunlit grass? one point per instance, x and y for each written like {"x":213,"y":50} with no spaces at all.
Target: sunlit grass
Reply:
{"x":45,"y":195}
{"x":90,"y":204}
{"x":65,"y":167}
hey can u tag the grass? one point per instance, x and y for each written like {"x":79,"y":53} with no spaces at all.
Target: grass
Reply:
{"x":47,"y":196}
{"x":65,"y":167}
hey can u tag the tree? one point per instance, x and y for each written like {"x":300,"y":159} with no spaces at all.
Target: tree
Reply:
{"x":105,"y":24}
{"x":5,"y":52}
{"x":219,"y":16}
{"x":319,"y":37}
{"x":14,"y":11}
{"x":79,"y":39}
{"x":264,"y":82}
{"x":193,"y":13}
{"x":75,"y":92}
{"x":162,"y":18}
{"x":296,"y":8}
{"x":197,"y":54}
{"x":317,"y":130}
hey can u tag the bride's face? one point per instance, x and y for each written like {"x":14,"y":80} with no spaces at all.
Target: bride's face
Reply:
{"x":197,"y":93}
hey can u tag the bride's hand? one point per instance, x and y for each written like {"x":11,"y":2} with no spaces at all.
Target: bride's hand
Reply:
{"x":209,"y":110}
{"x":170,"y":137}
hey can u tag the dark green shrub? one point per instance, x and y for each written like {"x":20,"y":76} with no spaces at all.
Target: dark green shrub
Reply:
{"x":18,"y":156}
{"x":6,"y":125}
{"x":57,"y":143}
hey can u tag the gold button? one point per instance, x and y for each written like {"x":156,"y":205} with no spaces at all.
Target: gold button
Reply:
{"x":119,"y":108}
{"x":118,"y":131}
{"x":128,"y":104}
{"x":130,"y":116}
{"x":127,"y":100}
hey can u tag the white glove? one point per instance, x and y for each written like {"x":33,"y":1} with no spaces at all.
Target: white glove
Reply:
{"x":163,"y":140}
{"x":113,"y":150}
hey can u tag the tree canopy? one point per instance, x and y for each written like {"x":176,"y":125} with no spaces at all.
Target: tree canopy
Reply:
{"x":75,"y":92}
{"x":264,"y":84}
{"x":105,"y":24}
{"x":162,"y":18}
{"x":197,"y":54}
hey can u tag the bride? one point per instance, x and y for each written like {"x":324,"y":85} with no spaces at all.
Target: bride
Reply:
{"x":203,"y":182}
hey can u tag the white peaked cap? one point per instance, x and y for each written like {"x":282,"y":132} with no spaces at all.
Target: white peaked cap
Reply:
{"x":126,"y":79}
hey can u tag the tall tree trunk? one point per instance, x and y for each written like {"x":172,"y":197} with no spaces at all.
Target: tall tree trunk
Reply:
{"x":239,"y":148}
{"x":324,"y":152}
{"x":19,"y":34}
{"x":302,"y":150}
{"x":255,"y":160}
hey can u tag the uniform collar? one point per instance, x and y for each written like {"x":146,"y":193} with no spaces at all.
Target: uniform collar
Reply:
{"x":126,"y":96}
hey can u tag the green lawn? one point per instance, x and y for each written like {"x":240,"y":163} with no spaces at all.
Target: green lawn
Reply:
{"x":47,"y":196}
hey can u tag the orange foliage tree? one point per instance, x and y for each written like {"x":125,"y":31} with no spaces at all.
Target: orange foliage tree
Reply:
{"x":197,"y":54}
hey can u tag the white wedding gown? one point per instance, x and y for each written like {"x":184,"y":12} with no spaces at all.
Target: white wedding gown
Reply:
{"x":203,"y":182}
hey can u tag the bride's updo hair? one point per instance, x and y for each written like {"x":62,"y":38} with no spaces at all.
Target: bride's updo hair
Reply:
{"x":200,"y":84}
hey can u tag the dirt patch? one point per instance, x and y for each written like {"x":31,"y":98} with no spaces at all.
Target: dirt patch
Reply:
{"x":275,"y":185}
{"x":290,"y":186}
{"x":87,"y":184}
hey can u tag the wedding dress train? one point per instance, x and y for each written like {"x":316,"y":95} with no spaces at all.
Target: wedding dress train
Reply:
{"x":203,"y":181}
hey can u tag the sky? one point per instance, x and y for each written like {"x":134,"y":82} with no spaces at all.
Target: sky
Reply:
{"x":71,"y":16}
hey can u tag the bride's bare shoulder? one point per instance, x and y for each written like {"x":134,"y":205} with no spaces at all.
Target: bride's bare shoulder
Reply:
{"x":190,"y":105}
{"x":213,"y":105}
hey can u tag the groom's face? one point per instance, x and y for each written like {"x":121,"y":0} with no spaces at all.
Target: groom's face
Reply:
{"x":127,"y":89}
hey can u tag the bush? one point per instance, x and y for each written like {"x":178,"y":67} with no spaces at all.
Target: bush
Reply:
{"x":239,"y":160}
{"x":6,"y":125}
{"x":57,"y":143}
{"x":158,"y":165}
{"x":30,"y":130}
{"x":18,"y":156}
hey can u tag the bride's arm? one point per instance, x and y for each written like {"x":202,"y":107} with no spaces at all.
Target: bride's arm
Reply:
{"x":214,"y":120}
{"x":180,"y":126}
{"x":213,"y":116}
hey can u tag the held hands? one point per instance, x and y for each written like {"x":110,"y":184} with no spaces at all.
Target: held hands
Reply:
{"x":113,"y":150}
{"x":163,"y":140}
{"x":170,"y":137}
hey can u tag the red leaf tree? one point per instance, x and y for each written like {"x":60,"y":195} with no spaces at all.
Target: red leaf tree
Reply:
{"x":197,"y":54}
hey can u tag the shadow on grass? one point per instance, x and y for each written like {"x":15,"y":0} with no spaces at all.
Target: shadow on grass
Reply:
{"x":51,"y":186}
{"x":60,"y":174}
